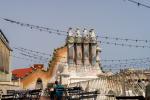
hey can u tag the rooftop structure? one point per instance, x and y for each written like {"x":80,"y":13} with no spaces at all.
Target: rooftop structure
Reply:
{"x":5,"y":52}
{"x":77,"y":60}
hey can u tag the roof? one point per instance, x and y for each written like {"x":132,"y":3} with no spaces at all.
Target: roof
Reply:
{"x":20,"y":73}
{"x":4,"y":36}
{"x":4,"y":40}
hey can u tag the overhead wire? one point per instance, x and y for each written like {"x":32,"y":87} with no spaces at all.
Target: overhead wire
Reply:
{"x":37,"y":53}
{"x":123,"y":44}
{"x":105,"y":68}
{"x":111,"y":66}
{"x":40,"y":28}
{"x":123,"y":39}
{"x":57,"y":32}
{"x":29,"y":50}
{"x":138,"y":3}
{"x":35,"y":57}
{"x":62,"y":32}
{"x":123,"y":60}
{"x":27,"y":59}
{"x":128,"y":63}
{"x":127,"y":60}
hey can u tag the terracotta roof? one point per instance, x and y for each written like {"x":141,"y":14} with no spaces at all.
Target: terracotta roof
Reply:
{"x":20,"y":73}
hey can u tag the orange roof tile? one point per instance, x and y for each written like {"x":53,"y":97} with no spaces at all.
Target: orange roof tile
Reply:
{"x":20,"y":73}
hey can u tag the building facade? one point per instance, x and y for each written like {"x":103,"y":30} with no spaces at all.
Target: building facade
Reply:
{"x":37,"y":76}
{"x":83,"y":51}
{"x":77,"y":60}
{"x":5,"y":52}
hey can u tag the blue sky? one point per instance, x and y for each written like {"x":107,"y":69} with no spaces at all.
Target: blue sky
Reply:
{"x":114,"y":18}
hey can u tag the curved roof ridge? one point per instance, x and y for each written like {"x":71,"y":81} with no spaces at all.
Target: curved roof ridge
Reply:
{"x":55,"y":59}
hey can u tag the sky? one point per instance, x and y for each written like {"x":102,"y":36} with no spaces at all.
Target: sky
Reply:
{"x":112,"y":18}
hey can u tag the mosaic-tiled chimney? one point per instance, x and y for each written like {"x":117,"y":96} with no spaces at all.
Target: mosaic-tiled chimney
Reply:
{"x":70,"y":46}
{"x":93,"y":44}
{"x":78,"y":47}
{"x":86,"y":54}
{"x":82,"y":48}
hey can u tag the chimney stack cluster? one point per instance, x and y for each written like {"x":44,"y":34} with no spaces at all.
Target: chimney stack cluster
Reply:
{"x":82,"y":47}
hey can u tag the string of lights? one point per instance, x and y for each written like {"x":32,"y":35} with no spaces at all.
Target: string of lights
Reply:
{"x":128,"y":63}
{"x":34,"y":61}
{"x":121,"y":68}
{"x":104,"y":68}
{"x":61,"y":32}
{"x":124,"y":60}
{"x":36,"y":53}
{"x":33,"y":51}
{"x":23,"y":52}
{"x":138,"y":3}
{"x":35,"y":57}
{"x":108,"y":67}
{"x":120,"y":64}
{"x":115,"y":67}
{"x":127,"y":68}
{"x":123,"y":44}
{"x":111,"y":65}
{"x":40,"y":28}
{"x":123,"y":39}
{"x":100,"y":41}
{"x":145,"y":66}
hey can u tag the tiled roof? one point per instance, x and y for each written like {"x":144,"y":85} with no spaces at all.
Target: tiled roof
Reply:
{"x":20,"y":73}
